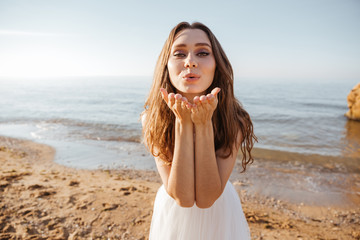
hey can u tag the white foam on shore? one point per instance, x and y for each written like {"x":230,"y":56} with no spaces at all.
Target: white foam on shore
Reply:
{"x":83,"y":153}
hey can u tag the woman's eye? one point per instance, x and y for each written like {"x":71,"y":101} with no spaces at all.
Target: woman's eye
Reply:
{"x":179,"y":54}
{"x":203,"y":54}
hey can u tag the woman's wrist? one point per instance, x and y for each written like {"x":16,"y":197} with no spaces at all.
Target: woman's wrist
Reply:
{"x":203,"y":124}
{"x":184,"y":122}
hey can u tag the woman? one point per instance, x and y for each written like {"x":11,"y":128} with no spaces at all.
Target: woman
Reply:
{"x":194,"y":127}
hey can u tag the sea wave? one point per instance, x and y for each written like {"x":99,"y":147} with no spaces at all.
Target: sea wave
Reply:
{"x":78,"y":129}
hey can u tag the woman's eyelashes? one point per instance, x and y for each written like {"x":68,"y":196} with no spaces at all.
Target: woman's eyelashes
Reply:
{"x":203,"y":54}
{"x":179,"y":54}
{"x":184,"y":54}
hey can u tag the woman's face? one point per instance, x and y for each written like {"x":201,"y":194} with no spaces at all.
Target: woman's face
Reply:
{"x":191,"y":63}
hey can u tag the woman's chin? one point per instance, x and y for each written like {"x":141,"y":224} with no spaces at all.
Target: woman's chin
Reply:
{"x":194,"y":91}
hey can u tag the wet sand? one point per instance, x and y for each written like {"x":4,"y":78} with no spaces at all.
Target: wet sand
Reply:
{"x":305,"y":178}
{"x":40,"y":199}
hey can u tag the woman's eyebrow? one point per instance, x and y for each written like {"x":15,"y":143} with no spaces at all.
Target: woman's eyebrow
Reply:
{"x":202,"y":44}
{"x":196,"y":45}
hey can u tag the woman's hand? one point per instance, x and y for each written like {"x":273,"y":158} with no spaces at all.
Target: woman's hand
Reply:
{"x":178,"y":104}
{"x":204,"y":107}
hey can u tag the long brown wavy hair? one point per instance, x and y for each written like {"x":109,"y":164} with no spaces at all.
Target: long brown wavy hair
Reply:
{"x":228,"y":119}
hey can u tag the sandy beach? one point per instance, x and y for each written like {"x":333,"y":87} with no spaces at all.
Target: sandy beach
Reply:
{"x":40,"y":199}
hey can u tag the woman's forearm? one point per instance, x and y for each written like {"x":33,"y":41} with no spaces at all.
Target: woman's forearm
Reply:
{"x":208,"y":182}
{"x":181,"y":182}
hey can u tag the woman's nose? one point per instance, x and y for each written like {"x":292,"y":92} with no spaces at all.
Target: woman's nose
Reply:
{"x":190,"y":61}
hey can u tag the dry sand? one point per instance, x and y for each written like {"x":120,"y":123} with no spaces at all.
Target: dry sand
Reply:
{"x":40,"y":199}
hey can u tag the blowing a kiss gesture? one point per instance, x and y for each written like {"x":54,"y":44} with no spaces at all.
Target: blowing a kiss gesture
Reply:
{"x":195,"y":150}
{"x":200,"y":111}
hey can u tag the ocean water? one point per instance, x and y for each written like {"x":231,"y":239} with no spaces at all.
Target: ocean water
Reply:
{"x":302,"y":116}
{"x":93,"y":122}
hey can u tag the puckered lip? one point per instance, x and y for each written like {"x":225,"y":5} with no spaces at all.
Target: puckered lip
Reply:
{"x":191,"y":75}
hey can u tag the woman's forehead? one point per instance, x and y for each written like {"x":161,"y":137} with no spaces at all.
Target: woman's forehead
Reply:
{"x":191,"y":36}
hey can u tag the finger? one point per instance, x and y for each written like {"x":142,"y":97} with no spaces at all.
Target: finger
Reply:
{"x":203,"y":99}
{"x":178,"y":98}
{"x":189,"y":105}
{"x":210,"y":97}
{"x":207,"y":101}
{"x":215,"y":91}
{"x":196,"y":100}
{"x":212,"y":101}
{"x":164,"y":94}
{"x":171,"y":98}
{"x":185,"y":105}
{"x":194,"y":109}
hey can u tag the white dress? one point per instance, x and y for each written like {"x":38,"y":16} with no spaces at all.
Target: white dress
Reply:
{"x":224,"y":220}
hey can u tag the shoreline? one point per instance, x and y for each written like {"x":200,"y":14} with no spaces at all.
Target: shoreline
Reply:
{"x":349,"y":164}
{"x":83,"y":144}
{"x":40,"y":198}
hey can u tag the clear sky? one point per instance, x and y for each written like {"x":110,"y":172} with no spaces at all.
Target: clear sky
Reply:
{"x":289,"y":39}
